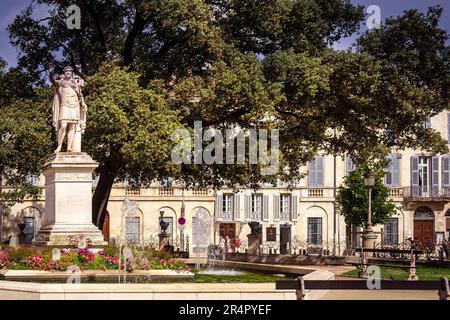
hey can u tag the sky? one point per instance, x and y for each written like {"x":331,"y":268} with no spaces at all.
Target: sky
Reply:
{"x":10,"y":8}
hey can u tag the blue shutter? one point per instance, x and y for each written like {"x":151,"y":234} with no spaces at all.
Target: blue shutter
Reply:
{"x":396,"y":171}
{"x":415,"y":176}
{"x":446,"y":171}
{"x":312,"y":182}
{"x":349,"y":165}
{"x":388,"y":179}
{"x":435,"y":176}
{"x":319,"y":171}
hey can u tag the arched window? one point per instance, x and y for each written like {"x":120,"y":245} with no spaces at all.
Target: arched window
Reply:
{"x":423,"y":213}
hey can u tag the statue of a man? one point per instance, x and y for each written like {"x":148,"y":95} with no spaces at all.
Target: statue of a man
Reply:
{"x":69,"y":109}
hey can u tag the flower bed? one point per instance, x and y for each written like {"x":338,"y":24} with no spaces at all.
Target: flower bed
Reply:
{"x":28,"y":258}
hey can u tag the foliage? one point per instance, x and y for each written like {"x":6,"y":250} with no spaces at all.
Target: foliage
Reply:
{"x":254,"y":64}
{"x":352,"y":198}
{"x":29,"y":258}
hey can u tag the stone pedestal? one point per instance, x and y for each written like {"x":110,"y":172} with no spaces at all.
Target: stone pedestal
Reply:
{"x":253,"y":244}
{"x":68,"y":200}
{"x":163,"y":241}
{"x":368,"y":239}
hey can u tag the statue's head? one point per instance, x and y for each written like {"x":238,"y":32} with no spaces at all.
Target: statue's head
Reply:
{"x":68,"y":71}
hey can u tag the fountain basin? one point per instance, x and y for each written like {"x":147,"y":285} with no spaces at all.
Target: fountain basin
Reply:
{"x":95,"y":275}
{"x":221,"y":272}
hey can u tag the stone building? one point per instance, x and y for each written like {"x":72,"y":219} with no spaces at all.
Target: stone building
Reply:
{"x":419,"y":184}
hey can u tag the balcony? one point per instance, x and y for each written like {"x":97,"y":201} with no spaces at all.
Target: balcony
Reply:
{"x":396,"y":192}
{"x":315,"y":193}
{"x":413,"y":193}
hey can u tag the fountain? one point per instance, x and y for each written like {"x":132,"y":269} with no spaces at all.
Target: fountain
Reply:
{"x":128,"y":211}
{"x":201,"y":229}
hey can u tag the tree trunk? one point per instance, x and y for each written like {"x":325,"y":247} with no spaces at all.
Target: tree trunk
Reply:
{"x":101,"y":197}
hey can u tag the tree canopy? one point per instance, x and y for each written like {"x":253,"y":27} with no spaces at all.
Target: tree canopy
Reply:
{"x":156,"y":65}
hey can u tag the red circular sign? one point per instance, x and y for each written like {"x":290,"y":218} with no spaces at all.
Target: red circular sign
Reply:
{"x":181,"y":221}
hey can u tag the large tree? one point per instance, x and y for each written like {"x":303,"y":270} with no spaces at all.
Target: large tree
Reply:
{"x":252,"y":64}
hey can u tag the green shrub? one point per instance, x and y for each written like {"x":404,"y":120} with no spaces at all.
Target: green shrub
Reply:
{"x":22,"y":253}
{"x":110,"y":251}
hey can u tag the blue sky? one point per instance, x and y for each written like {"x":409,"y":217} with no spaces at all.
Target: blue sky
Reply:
{"x":10,"y":8}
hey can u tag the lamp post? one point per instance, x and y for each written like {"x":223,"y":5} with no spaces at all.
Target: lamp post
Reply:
{"x":369,"y":236}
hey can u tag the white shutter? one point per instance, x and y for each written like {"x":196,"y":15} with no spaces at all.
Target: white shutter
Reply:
{"x":265,"y":208}
{"x":294,"y":213}
{"x":435,"y":176}
{"x":247,"y":206}
{"x":276,"y":207}
{"x":237,"y":207}
{"x":219,"y":207}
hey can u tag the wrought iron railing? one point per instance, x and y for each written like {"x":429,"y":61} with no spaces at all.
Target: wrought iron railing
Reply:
{"x":418,"y":192}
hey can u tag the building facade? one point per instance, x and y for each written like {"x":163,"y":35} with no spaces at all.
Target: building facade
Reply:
{"x":289,"y":218}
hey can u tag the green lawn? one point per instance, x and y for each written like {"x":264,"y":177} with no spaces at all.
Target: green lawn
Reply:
{"x":247,"y":277}
{"x":424,"y":273}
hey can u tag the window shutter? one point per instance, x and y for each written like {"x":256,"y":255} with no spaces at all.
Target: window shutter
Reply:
{"x":294,"y":212}
{"x":237,"y":207}
{"x":446,"y":171}
{"x":349,"y":166}
{"x":219,"y":207}
{"x":319,"y":171}
{"x":396,"y":171}
{"x":247,"y":206}
{"x":415,"y":176}
{"x":388,"y":177}
{"x":435,"y":176}
{"x":312,"y":174}
{"x":276,"y":207}
{"x":265,"y":208}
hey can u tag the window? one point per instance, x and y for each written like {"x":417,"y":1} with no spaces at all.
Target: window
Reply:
{"x":227,"y":206}
{"x":315,"y":173}
{"x":132,"y":230}
{"x":349,"y":165}
{"x":315,"y":230}
{"x":391,"y":231}
{"x":256,"y":206}
{"x":33,"y":179}
{"x":427,"y":123}
{"x":392,"y":175}
{"x":169,"y":228}
{"x":285,"y":206}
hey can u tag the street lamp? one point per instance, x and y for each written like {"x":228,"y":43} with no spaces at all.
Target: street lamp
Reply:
{"x":369,"y":236}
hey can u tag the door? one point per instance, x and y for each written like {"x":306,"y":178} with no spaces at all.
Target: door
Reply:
{"x":29,"y":230}
{"x":285,"y":239}
{"x":423,"y":232}
{"x":228,"y":232}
